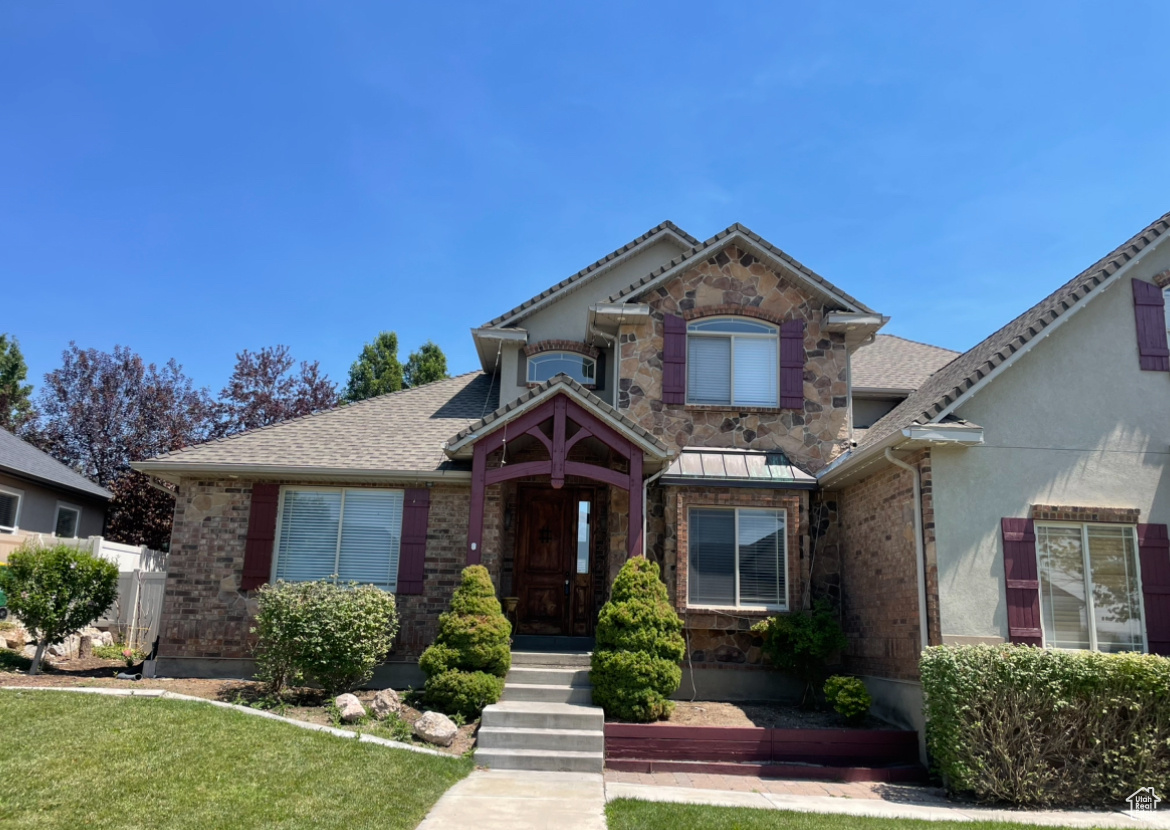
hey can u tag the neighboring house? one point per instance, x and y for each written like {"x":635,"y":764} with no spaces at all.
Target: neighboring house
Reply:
{"x":39,"y":494}
{"x":1038,"y":495}
{"x":691,"y":402}
{"x":885,"y":372}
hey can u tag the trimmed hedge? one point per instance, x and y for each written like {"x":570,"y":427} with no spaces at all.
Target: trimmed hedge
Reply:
{"x":465,"y":666}
{"x":639,"y":645}
{"x":1031,"y":726}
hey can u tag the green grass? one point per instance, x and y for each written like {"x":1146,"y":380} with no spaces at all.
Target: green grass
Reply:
{"x":79,"y":760}
{"x":628,"y":814}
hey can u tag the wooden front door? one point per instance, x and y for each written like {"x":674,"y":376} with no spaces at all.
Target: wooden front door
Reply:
{"x":554,"y":597}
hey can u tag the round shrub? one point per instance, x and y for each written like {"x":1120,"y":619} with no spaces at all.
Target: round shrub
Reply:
{"x":466,"y":664}
{"x":463,"y":693}
{"x":324,"y":633}
{"x":56,"y":591}
{"x":849,"y":697}
{"x":802,"y":642}
{"x":635,"y":666}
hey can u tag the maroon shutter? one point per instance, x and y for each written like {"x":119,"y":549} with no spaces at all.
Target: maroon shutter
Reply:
{"x":792,"y":365}
{"x":261,"y":535}
{"x":1154,"y":547}
{"x":674,"y":359}
{"x":1023,"y":584}
{"x":416,"y":510}
{"x":1149,"y":307}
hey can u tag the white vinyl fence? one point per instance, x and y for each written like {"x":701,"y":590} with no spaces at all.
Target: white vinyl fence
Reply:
{"x":142,"y":576}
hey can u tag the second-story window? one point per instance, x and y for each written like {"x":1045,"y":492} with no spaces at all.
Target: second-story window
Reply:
{"x":733,"y":361}
{"x":546,"y":365}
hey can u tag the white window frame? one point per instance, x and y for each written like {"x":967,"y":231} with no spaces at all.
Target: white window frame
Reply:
{"x":12,"y":491}
{"x":306,"y":488}
{"x":773,"y":335}
{"x":782,"y":607}
{"x":586,"y":360}
{"x":1090,"y":608}
{"x":72,"y":508}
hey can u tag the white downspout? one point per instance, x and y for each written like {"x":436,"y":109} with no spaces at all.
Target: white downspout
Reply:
{"x":919,"y":550}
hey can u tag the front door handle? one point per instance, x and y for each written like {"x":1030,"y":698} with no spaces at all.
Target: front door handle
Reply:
{"x":566,"y":587}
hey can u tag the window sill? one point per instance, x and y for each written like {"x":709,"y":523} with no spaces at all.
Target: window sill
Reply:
{"x":745,"y":610}
{"x":721,"y":407}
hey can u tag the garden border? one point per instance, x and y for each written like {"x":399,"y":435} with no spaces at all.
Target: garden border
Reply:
{"x":247,"y":710}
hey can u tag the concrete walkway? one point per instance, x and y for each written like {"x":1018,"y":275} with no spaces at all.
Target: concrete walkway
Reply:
{"x":521,"y":800}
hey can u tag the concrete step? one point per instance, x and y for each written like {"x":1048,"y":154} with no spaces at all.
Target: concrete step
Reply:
{"x":548,"y":676}
{"x":574,"y":659}
{"x":539,"y":642}
{"x":548,"y":694}
{"x":527,"y":714}
{"x":541,"y":759}
{"x":559,"y":740}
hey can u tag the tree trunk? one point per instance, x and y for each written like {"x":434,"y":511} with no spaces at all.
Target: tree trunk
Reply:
{"x":35,"y":668}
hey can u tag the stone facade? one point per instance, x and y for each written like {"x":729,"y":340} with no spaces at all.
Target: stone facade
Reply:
{"x":734,"y":282}
{"x":876,"y":572}
{"x":205,"y":615}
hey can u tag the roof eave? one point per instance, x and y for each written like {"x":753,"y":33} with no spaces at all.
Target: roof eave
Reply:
{"x":849,"y":466}
{"x":171,"y":471}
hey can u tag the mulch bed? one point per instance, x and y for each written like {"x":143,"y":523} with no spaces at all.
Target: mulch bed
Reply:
{"x":768,"y":715}
{"x":303,"y":704}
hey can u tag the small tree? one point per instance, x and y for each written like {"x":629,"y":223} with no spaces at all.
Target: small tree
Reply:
{"x":639,"y":647}
{"x":15,"y":406}
{"x":377,"y":369}
{"x":328,"y":634}
{"x":802,"y":642}
{"x":465,"y":666}
{"x":56,"y":591}
{"x":426,"y":365}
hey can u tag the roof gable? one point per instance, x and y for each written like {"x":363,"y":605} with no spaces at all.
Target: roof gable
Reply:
{"x":943,"y":391}
{"x":743,"y":237}
{"x":666,"y":230}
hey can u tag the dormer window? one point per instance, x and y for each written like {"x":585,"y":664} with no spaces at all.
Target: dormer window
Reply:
{"x":733,"y":361}
{"x":547,"y":365}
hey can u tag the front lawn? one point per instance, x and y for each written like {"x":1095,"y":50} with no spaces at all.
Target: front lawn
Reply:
{"x":628,"y":814}
{"x":79,"y":760}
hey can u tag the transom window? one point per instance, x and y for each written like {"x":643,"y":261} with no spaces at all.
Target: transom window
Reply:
{"x":733,"y":361}
{"x":737,"y":558}
{"x":1090,"y":592}
{"x":9,"y":510}
{"x":353,"y":533}
{"x":548,"y":365}
{"x":68,"y":518}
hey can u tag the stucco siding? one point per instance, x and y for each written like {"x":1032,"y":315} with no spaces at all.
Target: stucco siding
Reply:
{"x":1073,"y":422}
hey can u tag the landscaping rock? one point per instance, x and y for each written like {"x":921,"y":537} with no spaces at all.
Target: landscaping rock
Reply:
{"x":386,"y":703}
{"x":17,"y":639}
{"x":436,"y":728}
{"x":85,"y":646}
{"x":104,"y":638}
{"x":349,"y":708}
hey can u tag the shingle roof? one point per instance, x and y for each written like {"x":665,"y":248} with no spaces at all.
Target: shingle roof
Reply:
{"x":892,"y":362}
{"x":945,"y":386}
{"x":704,"y":249}
{"x":581,"y":392}
{"x":736,"y":467}
{"x":402,"y":431}
{"x":589,"y":269}
{"x":24,"y":459}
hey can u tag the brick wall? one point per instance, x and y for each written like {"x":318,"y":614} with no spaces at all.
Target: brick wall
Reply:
{"x":206,"y":615}
{"x":878,"y":579}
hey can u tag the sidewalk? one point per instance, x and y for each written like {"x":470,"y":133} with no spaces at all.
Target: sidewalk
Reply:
{"x":521,"y":800}
{"x":859,"y":799}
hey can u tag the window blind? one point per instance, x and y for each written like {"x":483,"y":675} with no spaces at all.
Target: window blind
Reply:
{"x":1062,"y":587}
{"x":761,"y":545}
{"x":309,"y":525}
{"x":757,"y":373}
{"x":709,"y":370}
{"x":1117,"y":610}
{"x":711,"y":560}
{"x":370,"y":537}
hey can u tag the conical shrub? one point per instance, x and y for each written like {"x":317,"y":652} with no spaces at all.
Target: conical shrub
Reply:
{"x":466,"y":664}
{"x":639,"y":646}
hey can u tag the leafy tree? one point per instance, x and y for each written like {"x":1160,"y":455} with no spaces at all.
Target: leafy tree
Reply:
{"x":377,"y":370}
{"x":802,"y":643}
{"x":264,"y":390}
{"x":15,"y":404}
{"x":426,"y":365}
{"x":56,"y":591}
{"x":102,"y":410}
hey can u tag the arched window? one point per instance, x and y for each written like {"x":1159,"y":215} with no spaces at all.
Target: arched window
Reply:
{"x":733,"y":361}
{"x":546,"y":365}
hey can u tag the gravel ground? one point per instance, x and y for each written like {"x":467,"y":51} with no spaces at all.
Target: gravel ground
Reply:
{"x":763,"y":714}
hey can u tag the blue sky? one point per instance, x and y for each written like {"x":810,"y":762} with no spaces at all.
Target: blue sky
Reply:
{"x":194,"y":179}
